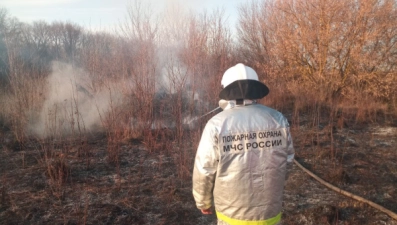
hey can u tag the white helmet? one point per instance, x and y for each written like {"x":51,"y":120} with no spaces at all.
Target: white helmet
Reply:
{"x":241,"y":82}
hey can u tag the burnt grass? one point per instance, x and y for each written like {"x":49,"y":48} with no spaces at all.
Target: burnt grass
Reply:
{"x":78,"y":182}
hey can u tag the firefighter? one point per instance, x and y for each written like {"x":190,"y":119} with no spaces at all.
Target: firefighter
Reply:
{"x":243,"y":155}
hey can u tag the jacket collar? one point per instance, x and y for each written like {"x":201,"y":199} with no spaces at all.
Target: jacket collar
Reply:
{"x":232,"y":103}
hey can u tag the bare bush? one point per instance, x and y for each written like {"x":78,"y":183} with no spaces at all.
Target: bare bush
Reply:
{"x":140,"y":30}
{"x":194,"y":63}
{"x":24,"y":94}
{"x":337,"y":50}
{"x":57,"y":170}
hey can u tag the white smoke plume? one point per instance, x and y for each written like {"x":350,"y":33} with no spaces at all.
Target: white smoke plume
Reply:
{"x":71,"y":106}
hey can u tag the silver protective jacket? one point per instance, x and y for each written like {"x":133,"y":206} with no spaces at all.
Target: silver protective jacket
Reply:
{"x":241,"y":164}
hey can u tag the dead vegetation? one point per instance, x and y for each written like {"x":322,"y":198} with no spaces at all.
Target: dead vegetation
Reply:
{"x":96,"y":128}
{"x":154,"y":187}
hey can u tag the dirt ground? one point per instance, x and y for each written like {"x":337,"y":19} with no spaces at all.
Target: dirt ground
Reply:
{"x":143,"y":187}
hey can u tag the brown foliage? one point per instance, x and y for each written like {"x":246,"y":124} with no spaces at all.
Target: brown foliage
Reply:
{"x":333,"y":50}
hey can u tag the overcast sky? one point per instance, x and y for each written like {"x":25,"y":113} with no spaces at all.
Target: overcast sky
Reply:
{"x":103,"y":14}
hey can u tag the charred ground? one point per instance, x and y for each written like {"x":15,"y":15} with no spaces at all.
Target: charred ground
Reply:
{"x":76,"y":182}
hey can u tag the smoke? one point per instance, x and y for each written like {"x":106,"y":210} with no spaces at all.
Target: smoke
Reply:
{"x":71,"y":106}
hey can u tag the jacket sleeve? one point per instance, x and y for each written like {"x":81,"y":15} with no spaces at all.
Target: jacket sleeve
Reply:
{"x":205,"y":167}
{"x":290,"y":147}
{"x":290,"y":154}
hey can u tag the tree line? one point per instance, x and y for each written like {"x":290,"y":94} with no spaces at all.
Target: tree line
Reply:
{"x":335,"y":54}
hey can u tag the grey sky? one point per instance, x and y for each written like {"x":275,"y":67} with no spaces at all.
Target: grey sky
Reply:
{"x":103,"y":14}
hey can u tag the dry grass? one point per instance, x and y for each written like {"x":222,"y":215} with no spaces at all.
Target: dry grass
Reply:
{"x":154,"y":186}
{"x":129,"y":160}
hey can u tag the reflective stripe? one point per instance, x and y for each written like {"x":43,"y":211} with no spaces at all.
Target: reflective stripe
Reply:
{"x":231,"y":221}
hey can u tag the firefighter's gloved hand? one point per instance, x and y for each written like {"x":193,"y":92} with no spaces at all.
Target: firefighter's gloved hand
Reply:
{"x":206,"y":211}
{"x":223,"y":103}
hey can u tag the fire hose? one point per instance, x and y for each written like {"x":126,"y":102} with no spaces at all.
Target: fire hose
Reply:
{"x":348,"y":194}
{"x":197,"y":118}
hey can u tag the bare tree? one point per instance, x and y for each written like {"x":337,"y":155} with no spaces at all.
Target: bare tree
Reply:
{"x":56,"y":40}
{"x":333,"y":49}
{"x":71,"y":40}
{"x":3,"y":49}
{"x":140,"y":66}
{"x":23,"y":92}
{"x":140,"y":23}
